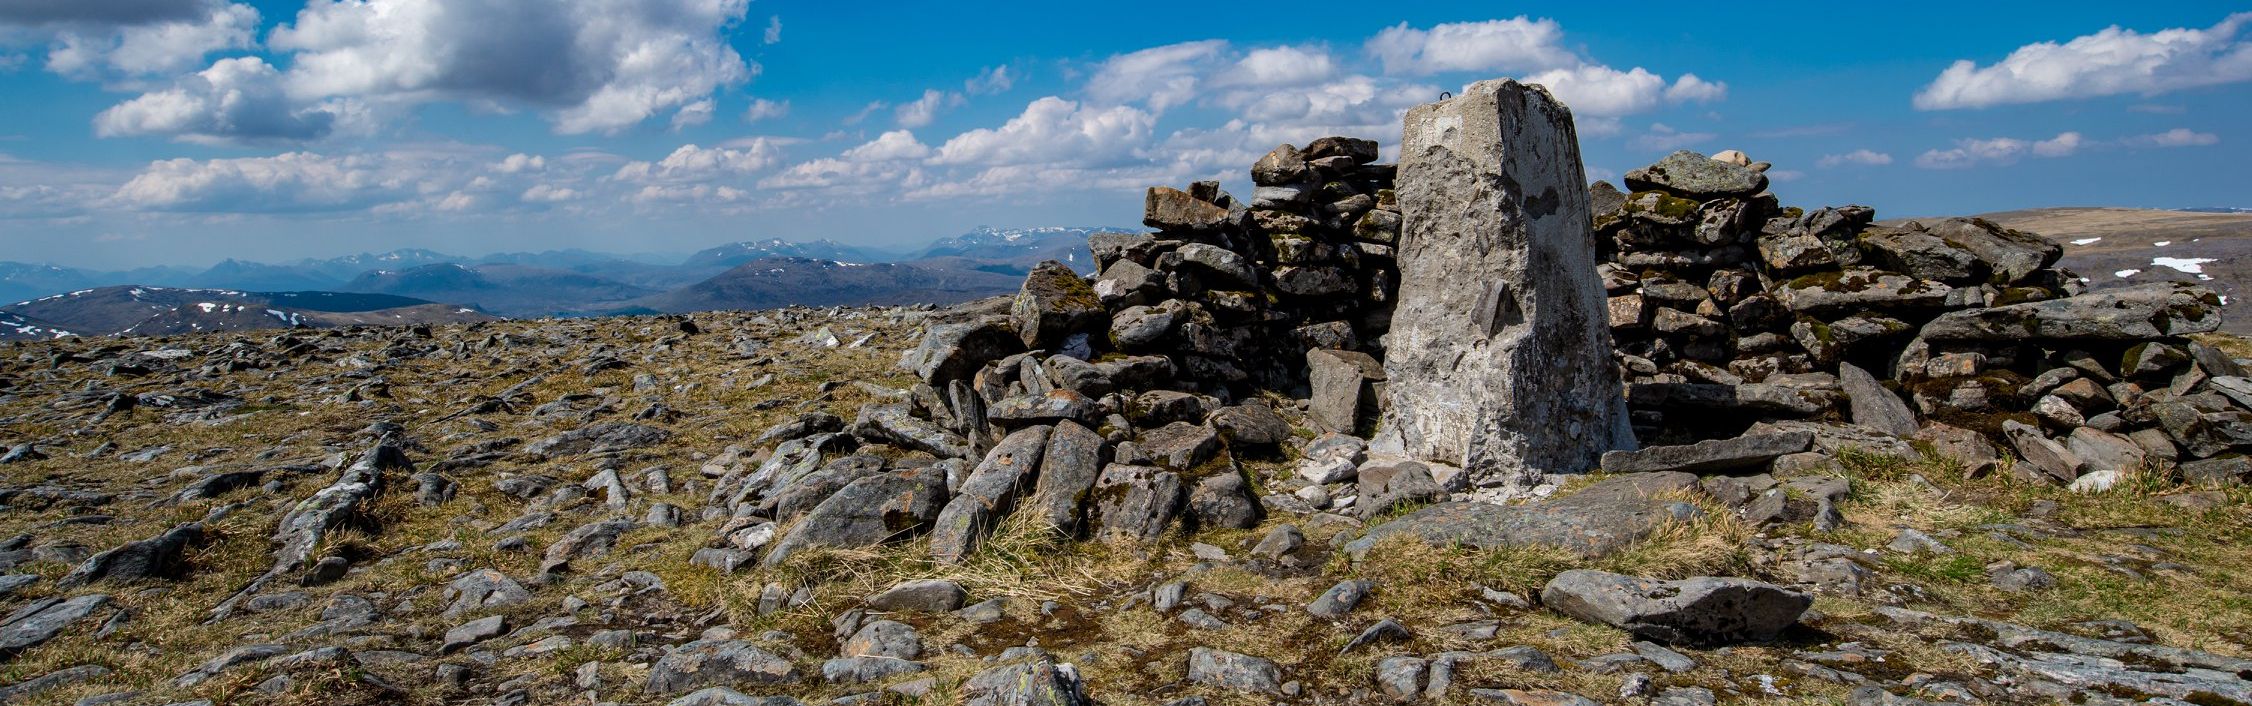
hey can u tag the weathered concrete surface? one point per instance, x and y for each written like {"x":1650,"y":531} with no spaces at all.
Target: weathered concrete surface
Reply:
{"x":1499,"y":355}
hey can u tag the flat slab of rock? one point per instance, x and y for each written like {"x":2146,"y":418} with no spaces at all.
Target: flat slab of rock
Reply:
{"x":1700,"y":611}
{"x":926,"y":595}
{"x":1710,"y":455}
{"x":868,"y":511}
{"x":160,"y":556}
{"x":987,"y":495}
{"x":1688,"y":174}
{"x":717,"y":663}
{"x":600,"y":438}
{"x":1872,"y":405}
{"x":2140,"y":312}
{"x":1595,"y":521}
{"x":1499,"y":360}
{"x":1755,"y":398}
{"x":1232,"y":671}
{"x":40,"y":621}
{"x":1035,"y":683}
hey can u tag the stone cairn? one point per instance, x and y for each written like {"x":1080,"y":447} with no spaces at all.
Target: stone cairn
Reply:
{"x":1754,"y":342}
{"x":1111,"y":407}
{"x":1733,"y":314}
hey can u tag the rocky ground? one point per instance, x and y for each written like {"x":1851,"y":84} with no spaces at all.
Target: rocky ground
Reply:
{"x":2118,"y":247}
{"x":1869,"y":465}
{"x":520,"y":508}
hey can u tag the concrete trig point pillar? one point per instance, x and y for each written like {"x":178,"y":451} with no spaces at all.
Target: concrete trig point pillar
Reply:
{"x":1499,"y":355}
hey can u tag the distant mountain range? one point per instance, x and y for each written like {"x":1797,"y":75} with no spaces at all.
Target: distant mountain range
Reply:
{"x":132,"y":310}
{"x":414,"y":285}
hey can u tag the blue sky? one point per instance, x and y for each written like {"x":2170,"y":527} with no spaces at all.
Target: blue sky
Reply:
{"x":146,"y":132}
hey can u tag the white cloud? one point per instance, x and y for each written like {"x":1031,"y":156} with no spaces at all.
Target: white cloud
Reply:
{"x":773,"y":30}
{"x":549,"y":193}
{"x":691,"y":193}
{"x":1280,"y":66}
{"x":694,"y":114}
{"x":1864,"y":157}
{"x":591,"y":65}
{"x":2063,"y":145}
{"x":1534,"y":50}
{"x":1053,"y":130}
{"x":695,"y":163}
{"x":887,"y":163}
{"x":2002,"y":150}
{"x":1513,"y":45}
{"x":519,"y":163}
{"x":237,"y":99}
{"x":993,"y":80}
{"x":125,"y":39}
{"x":923,"y":110}
{"x":1352,"y":105}
{"x":1159,"y":77}
{"x":1602,"y":90}
{"x":34,"y":13}
{"x":865,"y":111}
{"x":288,"y":182}
{"x":2177,"y":137}
{"x":93,"y":50}
{"x":2110,"y":62}
{"x":890,"y":146}
{"x":1690,"y":89}
{"x":763,"y":109}
{"x":1665,"y":138}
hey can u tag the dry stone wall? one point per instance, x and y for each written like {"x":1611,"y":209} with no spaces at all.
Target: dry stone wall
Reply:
{"x":1732,"y":313}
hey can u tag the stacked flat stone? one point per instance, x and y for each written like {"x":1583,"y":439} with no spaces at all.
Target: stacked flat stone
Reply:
{"x":1728,"y":309}
{"x":1110,"y":407}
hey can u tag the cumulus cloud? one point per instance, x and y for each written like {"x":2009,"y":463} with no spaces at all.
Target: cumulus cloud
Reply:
{"x":238,"y":99}
{"x":1602,"y":90}
{"x":1690,"y":89}
{"x":694,"y":114}
{"x":997,"y":79}
{"x":1160,"y":77}
{"x":887,"y":162}
{"x":1517,"y":45}
{"x":596,"y":65}
{"x":2063,"y":145}
{"x":1280,"y":66}
{"x":1052,"y":130}
{"x":549,"y":193}
{"x":1864,"y":157}
{"x":773,"y":30}
{"x":97,"y":40}
{"x":890,"y":146}
{"x":2177,"y":137}
{"x":287,"y":182}
{"x":1969,"y":153}
{"x":763,"y":109}
{"x":2110,"y":62}
{"x":1350,"y":105}
{"x":106,"y":12}
{"x":693,"y":162}
{"x":1534,"y":51}
{"x":406,"y":180}
{"x":922,"y":111}
{"x":519,"y":163}
{"x":589,"y":65}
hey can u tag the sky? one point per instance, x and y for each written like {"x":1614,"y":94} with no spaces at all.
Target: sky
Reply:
{"x":182,"y":132}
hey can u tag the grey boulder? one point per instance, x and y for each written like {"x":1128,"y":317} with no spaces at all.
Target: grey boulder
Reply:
{"x":1698,"y":611}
